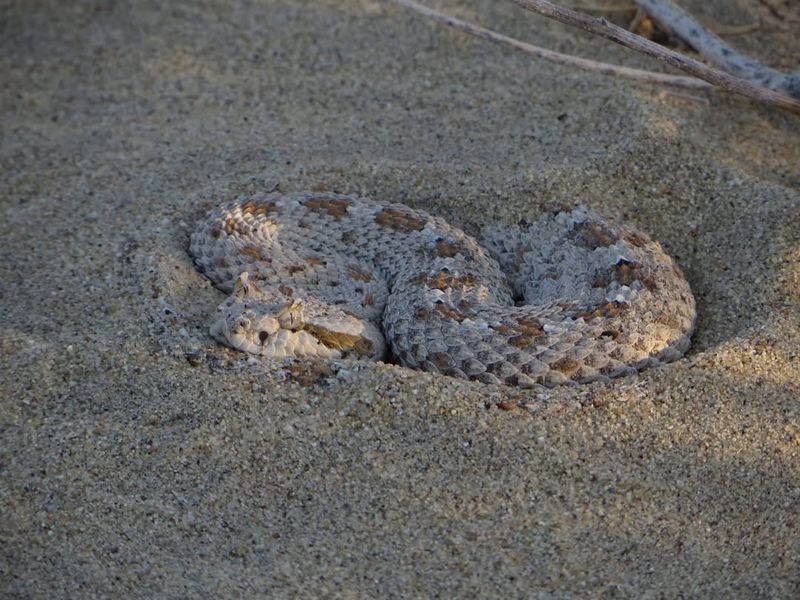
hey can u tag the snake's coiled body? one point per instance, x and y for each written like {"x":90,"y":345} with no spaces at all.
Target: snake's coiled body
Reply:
{"x":571,"y":298}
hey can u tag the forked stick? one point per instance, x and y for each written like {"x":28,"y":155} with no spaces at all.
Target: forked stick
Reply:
{"x":631,"y":40}
{"x":557,"y":57}
{"x":621,"y":36}
{"x":683,"y":25}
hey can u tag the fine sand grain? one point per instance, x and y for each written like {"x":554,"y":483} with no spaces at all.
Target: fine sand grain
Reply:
{"x":138,"y":458}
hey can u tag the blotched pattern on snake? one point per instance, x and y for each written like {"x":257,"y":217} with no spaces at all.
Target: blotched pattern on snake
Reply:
{"x":571,"y":298}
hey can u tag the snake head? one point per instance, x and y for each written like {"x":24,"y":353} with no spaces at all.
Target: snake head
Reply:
{"x":254,"y":321}
{"x":261,"y":323}
{"x":256,"y":302}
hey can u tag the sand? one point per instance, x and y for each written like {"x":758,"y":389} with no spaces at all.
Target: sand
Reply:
{"x":140,"y":459}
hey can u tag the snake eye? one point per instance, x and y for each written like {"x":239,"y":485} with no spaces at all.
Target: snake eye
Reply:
{"x":262,"y":336}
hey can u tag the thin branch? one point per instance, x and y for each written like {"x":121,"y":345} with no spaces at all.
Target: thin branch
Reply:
{"x":557,"y":57}
{"x":606,"y":9}
{"x":683,"y":25}
{"x":776,"y":12}
{"x":621,"y":36}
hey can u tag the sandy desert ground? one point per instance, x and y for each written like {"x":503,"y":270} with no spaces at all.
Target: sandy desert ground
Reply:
{"x":140,"y":459}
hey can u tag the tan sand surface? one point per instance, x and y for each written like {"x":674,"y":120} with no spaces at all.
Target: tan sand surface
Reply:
{"x":140,"y":459}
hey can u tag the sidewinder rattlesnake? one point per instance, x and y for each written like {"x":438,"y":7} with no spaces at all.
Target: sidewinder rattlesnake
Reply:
{"x":571,"y":298}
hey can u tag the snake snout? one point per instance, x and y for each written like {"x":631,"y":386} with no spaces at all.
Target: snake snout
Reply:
{"x":291,"y":315}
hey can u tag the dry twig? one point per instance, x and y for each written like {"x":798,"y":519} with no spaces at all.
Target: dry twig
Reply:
{"x":557,"y":57}
{"x":778,"y":12}
{"x":621,"y":36}
{"x":689,"y":65}
{"x":683,"y":25}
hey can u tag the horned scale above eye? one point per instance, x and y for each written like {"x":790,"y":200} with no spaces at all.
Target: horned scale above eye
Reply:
{"x":334,"y":276}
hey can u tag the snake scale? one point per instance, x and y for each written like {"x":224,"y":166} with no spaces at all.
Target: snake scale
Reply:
{"x":569,"y":299}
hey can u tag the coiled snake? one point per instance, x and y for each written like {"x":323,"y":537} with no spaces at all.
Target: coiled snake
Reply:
{"x":571,"y":298}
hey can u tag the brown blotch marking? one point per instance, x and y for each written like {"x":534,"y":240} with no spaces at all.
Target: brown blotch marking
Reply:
{"x":216,"y":230}
{"x":358,"y":273}
{"x":399,"y":220}
{"x":565,"y":365}
{"x":604,"y":310}
{"x":527,"y":330}
{"x":252,"y":251}
{"x":521,"y":341}
{"x":349,"y":237}
{"x":423,"y":313}
{"x":336,"y":208}
{"x":530,"y":326}
{"x":233,"y":226}
{"x":285,"y":290}
{"x":314,"y":261}
{"x":258,"y":208}
{"x":444,"y":280}
{"x":337,"y":340}
{"x":221,"y":262}
{"x":593,"y":235}
{"x":635,"y":238}
{"x":501,"y":328}
{"x":448,"y":312}
{"x":448,"y":249}
{"x":368,"y":301}
{"x":628,"y":272}
{"x":295,"y":269}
